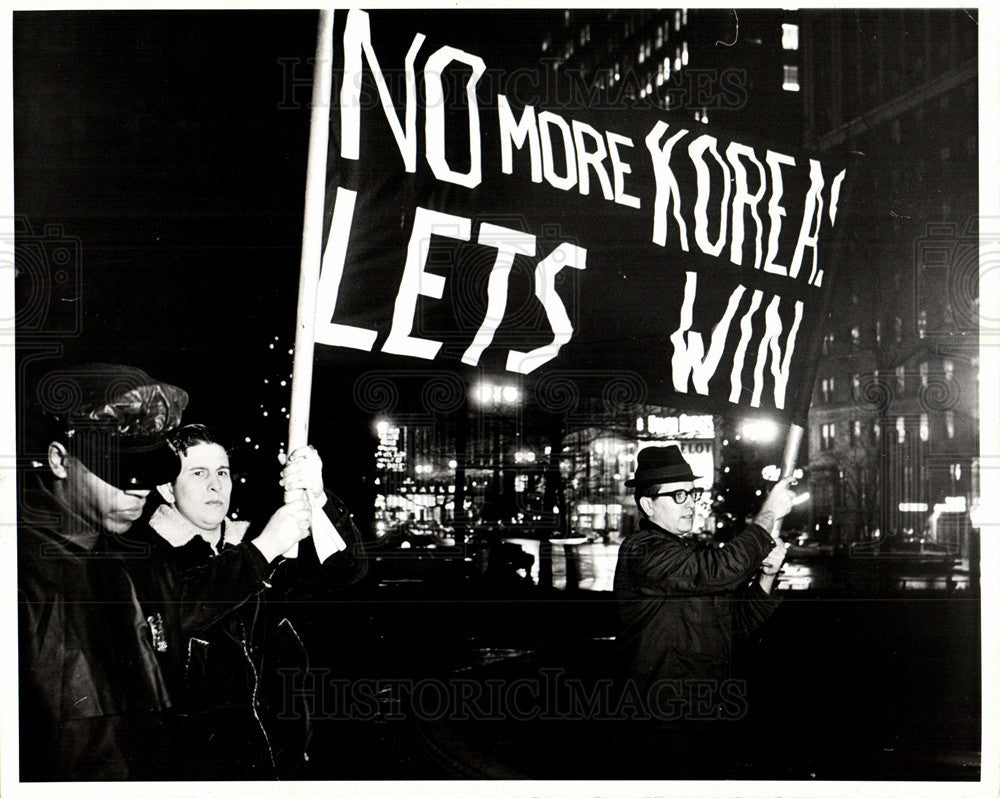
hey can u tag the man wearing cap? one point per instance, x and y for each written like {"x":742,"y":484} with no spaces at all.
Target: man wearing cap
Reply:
{"x":682,"y":604}
{"x":90,"y":688}
{"x":93,"y":699}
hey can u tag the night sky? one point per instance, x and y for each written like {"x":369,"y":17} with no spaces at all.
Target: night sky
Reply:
{"x":158,"y":141}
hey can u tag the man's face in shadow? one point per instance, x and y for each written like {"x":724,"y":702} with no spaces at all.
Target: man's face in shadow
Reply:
{"x":101,"y":504}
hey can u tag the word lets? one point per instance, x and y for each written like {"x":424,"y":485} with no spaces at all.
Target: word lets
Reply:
{"x":416,"y":281}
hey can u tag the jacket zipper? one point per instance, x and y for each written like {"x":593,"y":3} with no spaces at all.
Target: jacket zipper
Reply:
{"x":253,"y":698}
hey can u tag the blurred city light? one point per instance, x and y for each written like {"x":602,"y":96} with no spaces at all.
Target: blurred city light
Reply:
{"x":760,"y":430}
{"x":772,"y":473}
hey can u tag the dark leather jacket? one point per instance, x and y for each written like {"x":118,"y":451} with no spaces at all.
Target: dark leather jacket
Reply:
{"x":91,"y":691}
{"x":227,"y":647}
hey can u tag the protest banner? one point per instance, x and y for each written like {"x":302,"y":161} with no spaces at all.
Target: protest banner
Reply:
{"x":478,"y":220}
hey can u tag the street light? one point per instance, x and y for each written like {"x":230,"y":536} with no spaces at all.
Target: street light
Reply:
{"x":488,"y":393}
{"x":496,"y":399}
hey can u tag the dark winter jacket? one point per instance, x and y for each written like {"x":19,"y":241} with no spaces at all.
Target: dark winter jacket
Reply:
{"x":227,"y":648}
{"x":682,"y":604}
{"x":91,"y":691}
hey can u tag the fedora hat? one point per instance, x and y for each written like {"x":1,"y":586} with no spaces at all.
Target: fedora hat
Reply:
{"x":656,"y":464}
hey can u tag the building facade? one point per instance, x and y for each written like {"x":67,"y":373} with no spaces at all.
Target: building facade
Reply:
{"x":893,"y":431}
{"x":736,"y":68}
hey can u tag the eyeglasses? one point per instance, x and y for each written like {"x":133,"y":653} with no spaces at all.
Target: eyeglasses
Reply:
{"x":680,"y":496}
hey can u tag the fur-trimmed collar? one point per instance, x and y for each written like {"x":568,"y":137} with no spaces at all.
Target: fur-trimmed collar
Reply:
{"x":178,"y":531}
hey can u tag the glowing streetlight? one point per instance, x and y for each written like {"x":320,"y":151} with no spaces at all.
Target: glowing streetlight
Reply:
{"x":487,"y":393}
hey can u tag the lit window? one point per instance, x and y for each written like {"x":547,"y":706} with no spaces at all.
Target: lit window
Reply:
{"x":925,"y":427}
{"x":790,"y":37}
{"x":855,"y":432}
{"x":956,"y":472}
{"x":922,"y":323}
{"x":828,"y":388}
{"x":949,"y":424}
{"x":949,"y":369}
{"x":900,"y":430}
{"x":878,"y":331}
{"x":791,"y":82}
{"x":924,"y":368}
{"x":901,"y":377}
{"x":677,"y":20}
{"x":828,"y":433}
{"x":684,"y":53}
{"x":856,"y":336}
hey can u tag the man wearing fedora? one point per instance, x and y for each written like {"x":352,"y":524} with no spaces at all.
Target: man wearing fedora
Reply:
{"x":682,"y":604}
